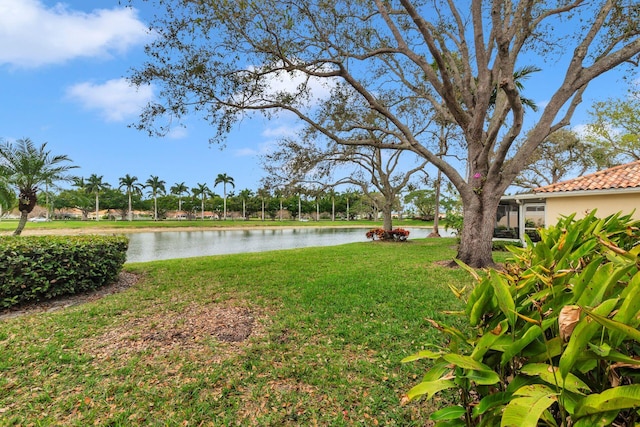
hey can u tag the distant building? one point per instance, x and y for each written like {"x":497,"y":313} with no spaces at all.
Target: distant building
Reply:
{"x":608,"y":191}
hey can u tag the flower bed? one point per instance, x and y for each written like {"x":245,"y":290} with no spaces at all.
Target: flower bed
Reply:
{"x":397,"y":235}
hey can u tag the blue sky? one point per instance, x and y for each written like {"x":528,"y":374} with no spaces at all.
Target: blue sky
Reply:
{"x":62,"y":70}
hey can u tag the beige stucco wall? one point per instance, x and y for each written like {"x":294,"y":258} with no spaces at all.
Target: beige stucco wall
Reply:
{"x":605,"y":204}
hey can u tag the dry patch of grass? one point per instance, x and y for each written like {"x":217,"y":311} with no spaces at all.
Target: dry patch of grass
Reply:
{"x":190,"y":329}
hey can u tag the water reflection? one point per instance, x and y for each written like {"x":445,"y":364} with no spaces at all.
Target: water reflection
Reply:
{"x":184,"y":244}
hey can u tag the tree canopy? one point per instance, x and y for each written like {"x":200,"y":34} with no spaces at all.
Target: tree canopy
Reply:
{"x":562,"y":155}
{"x":615,"y":128}
{"x":362,"y":72}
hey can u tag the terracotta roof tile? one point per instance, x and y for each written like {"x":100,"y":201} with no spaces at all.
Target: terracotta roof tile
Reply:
{"x":618,"y":177}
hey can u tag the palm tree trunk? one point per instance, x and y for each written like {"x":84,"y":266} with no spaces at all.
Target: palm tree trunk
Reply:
{"x":130,"y":213}
{"x":97,"y":208}
{"x":333,"y":208}
{"x":21,"y":223}
{"x":224,"y":202}
{"x":347,"y":209}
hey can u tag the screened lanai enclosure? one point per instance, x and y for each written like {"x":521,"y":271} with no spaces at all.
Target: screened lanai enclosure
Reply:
{"x":517,"y":216}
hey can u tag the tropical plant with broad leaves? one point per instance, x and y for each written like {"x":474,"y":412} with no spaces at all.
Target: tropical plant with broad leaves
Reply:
{"x":554,"y":339}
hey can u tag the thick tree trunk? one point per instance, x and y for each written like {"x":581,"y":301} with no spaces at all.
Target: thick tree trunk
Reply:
{"x":387,"y":223}
{"x":23,"y":221}
{"x":477,"y":232}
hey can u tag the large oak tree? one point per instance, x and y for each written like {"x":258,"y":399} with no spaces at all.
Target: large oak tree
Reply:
{"x":458,"y":59}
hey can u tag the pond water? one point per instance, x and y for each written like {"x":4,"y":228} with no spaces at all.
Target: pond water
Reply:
{"x":156,"y":246}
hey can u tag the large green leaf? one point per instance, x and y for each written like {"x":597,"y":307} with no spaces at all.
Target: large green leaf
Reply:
{"x":491,"y":401}
{"x":482,"y":377}
{"x":516,"y":346}
{"x":430,"y":388}
{"x":586,"y":275}
{"x":549,"y":374}
{"x":503,"y":294}
{"x":613,"y":399}
{"x":448,"y":413}
{"x":488,"y":339}
{"x":582,"y":334}
{"x":525,"y":411}
{"x":628,"y":311}
{"x":553,"y":348}
{"x":423,"y":354}
{"x":584,"y":249}
{"x":601,"y":419}
{"x":613,"y":325}
{"x":592,"y":293}
{"x":437,"y":371}
{"x":479,"y":301}
{"x":466,"y":362}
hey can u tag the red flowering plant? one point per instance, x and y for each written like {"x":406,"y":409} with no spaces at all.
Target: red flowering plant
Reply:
{"x":397,"y":235}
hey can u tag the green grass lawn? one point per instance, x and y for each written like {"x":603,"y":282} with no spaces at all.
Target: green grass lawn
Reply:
{"x":330,"y":326}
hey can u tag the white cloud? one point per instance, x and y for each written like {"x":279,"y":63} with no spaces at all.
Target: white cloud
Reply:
{"x":289,"y":82}
{"x":247,"y":152}
{"x":32,"y":34}
{"x":116,"y":99}
{"x":261,"y":149}
{"x":281,"y":131}
{"x":178,"y":132}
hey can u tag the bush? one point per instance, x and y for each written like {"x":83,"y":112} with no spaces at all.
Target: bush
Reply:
{"x":555,"y":339}
{"x":39,"y":268}
{"x":503,"y":245}
{"x":397,"y":235}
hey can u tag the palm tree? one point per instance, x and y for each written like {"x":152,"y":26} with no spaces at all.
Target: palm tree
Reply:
{"x":245,"y":194}
{"x":133,"y":186}
{"x":7,"y":197}
{"x":263,"y":193}
{"x":179,"y":189}
{"x":157,"y":186}
{"x":25,"y":167}
{"x":94,"y":185}
{"x":201,"y":191}
{"x":224,"y":179}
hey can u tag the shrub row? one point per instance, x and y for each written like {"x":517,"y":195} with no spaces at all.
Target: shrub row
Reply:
{"x":40,"y":268}
{"x":503,"y":245}
{"x":398,"y":235}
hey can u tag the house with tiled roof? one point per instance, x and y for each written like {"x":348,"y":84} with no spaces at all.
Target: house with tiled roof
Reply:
{"x":608,"y":191}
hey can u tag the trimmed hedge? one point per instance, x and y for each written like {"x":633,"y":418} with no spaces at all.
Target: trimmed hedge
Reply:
{"x":44,"y":267}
